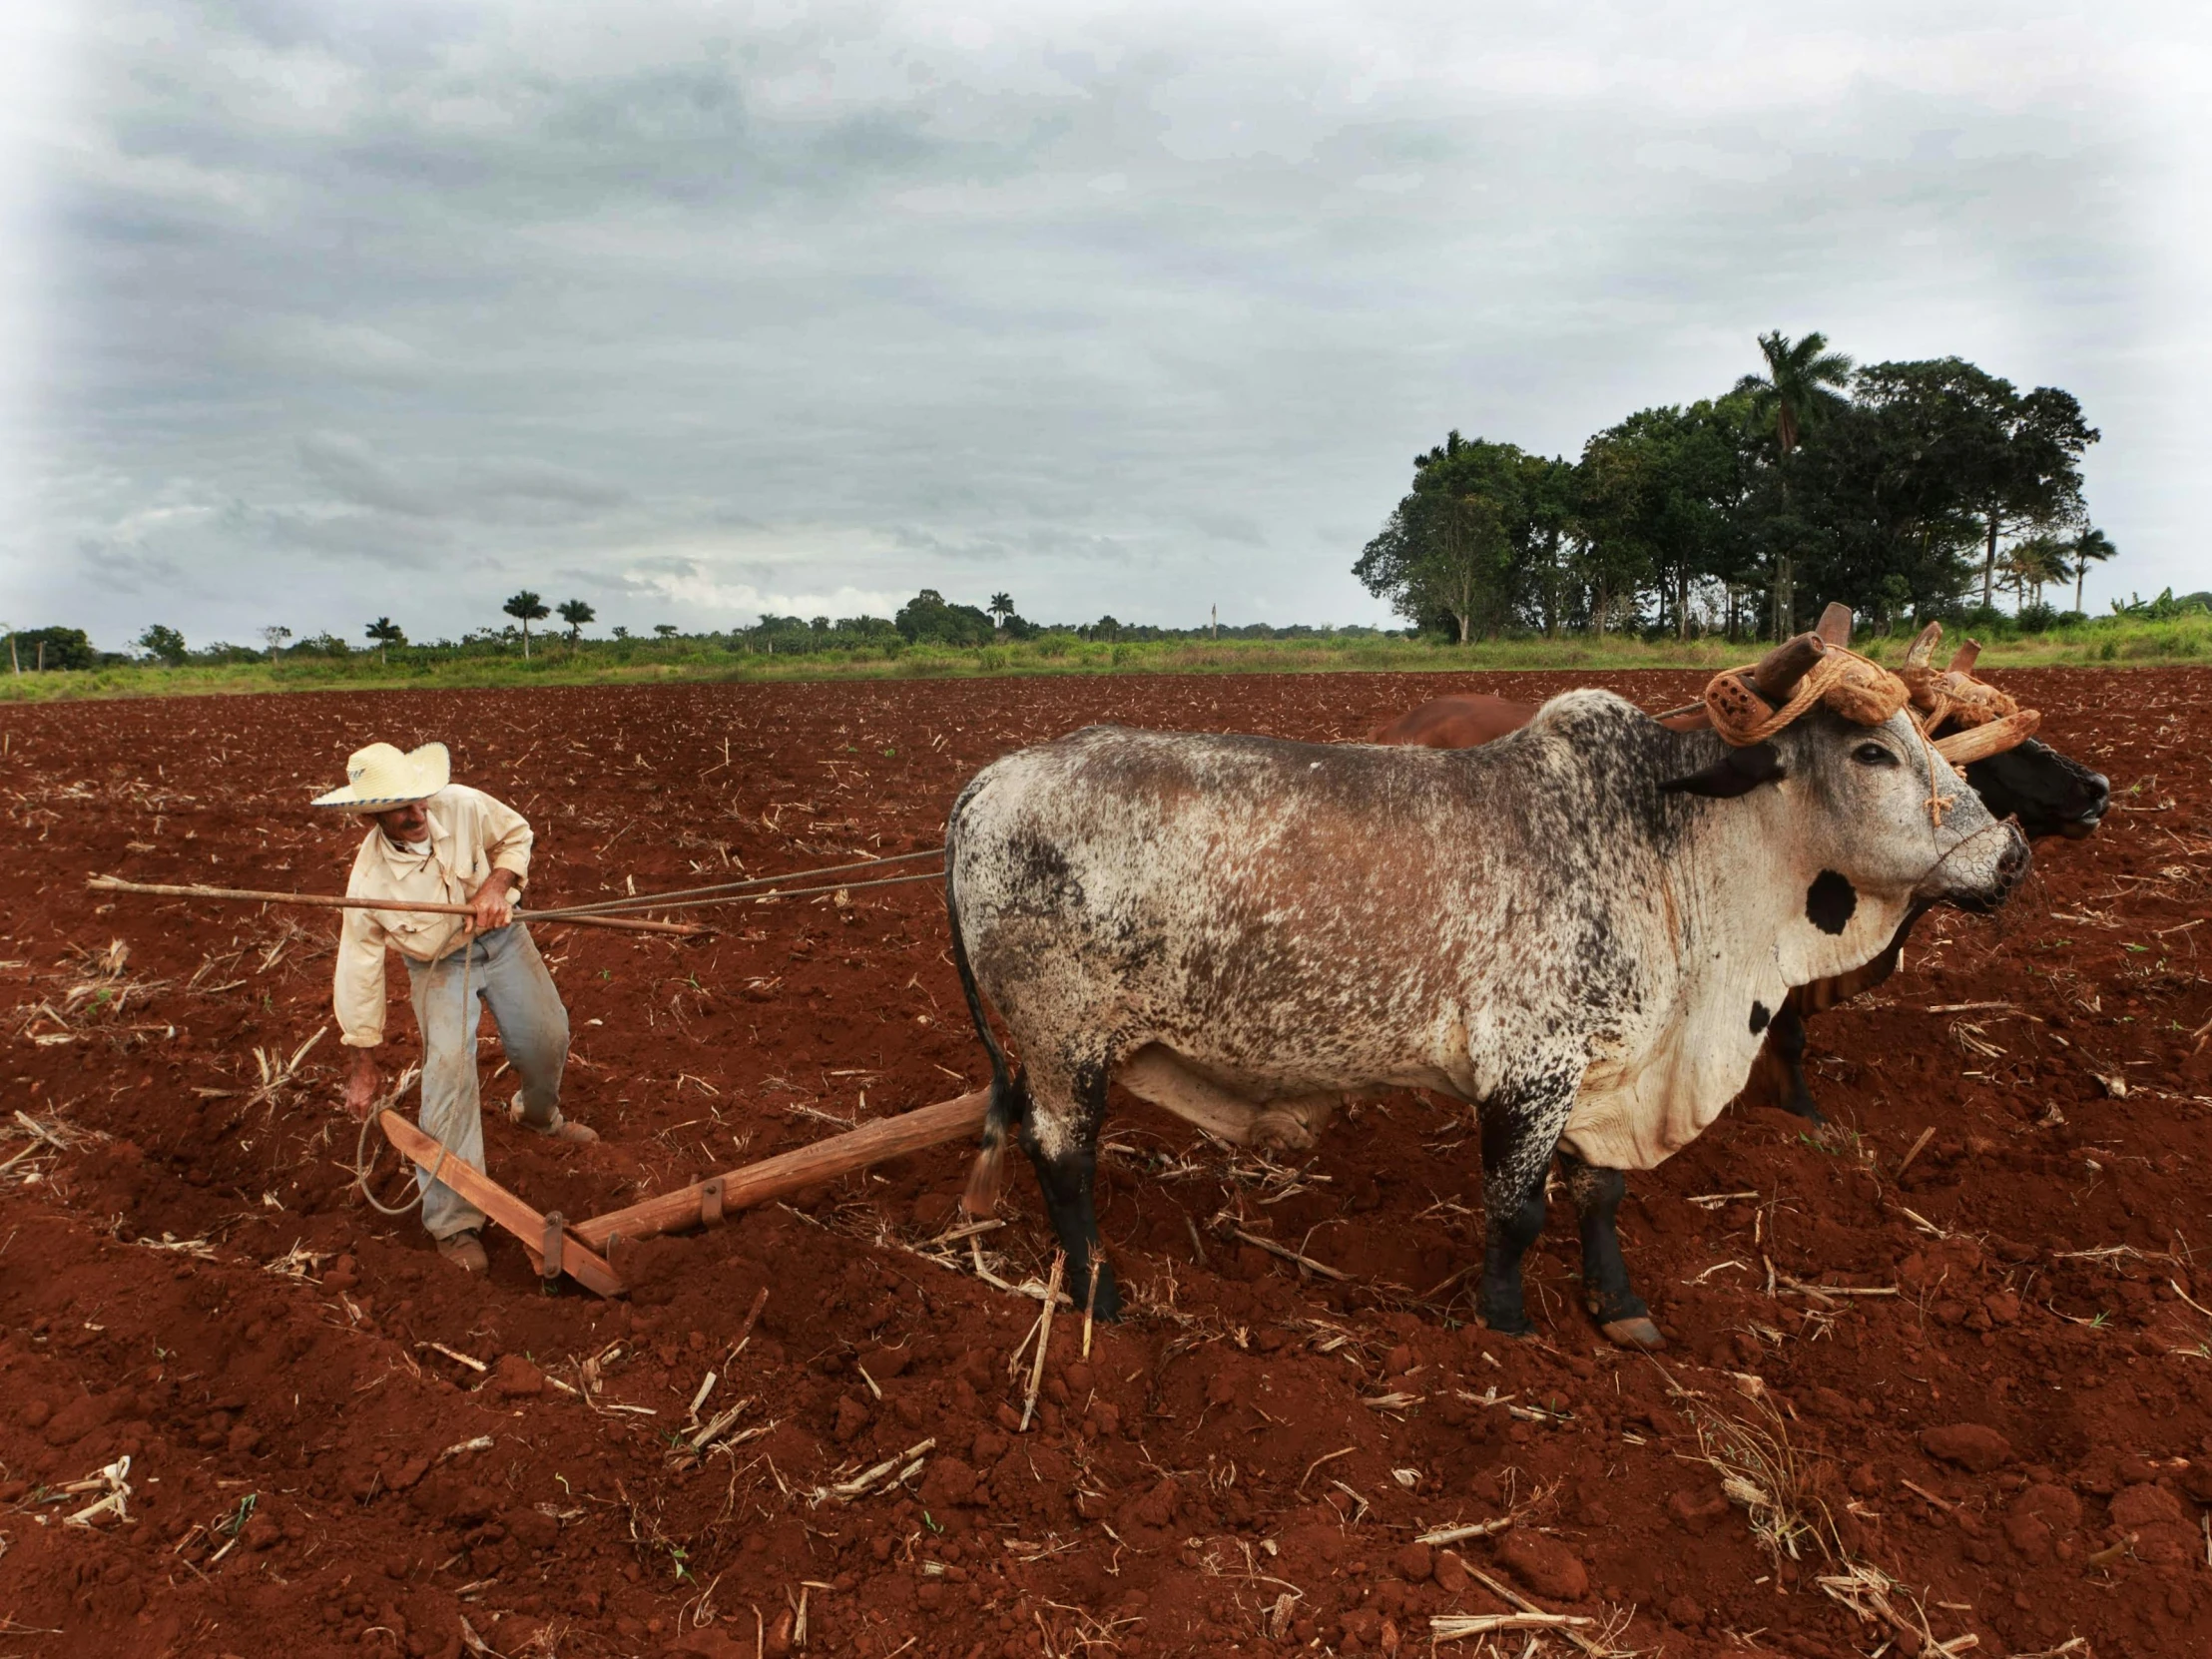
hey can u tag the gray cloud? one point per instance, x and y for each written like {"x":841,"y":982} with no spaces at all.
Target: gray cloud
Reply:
{"x":351,"y":311}
{"x":353,"y":473}
{"x":127,"y":569}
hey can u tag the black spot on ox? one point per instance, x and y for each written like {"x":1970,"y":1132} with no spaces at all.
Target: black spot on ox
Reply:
{"x":1759,"y":1017}
{"x":1830,"y":901}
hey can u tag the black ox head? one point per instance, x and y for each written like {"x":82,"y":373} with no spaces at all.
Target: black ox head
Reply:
{"x":2049,"y":793}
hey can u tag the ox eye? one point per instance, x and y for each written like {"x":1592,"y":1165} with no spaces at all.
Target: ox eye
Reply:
{"x":1873,"y":754}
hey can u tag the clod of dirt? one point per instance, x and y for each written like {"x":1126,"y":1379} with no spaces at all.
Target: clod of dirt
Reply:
{"x":1450,"y":1572}
{"x":884,"y":1364}
{"x":707,"y":1644}
{"x":79,"y":1418}
{"x":2040,"y":1516}
{"x":1545,"y":1565}
{"x":1684,"y":1612}
{"x":948,"y":1483}
{"x":514,"y":1377}
{"x":853,"y":1417}
{"x":1970,"y":1445}
{"x":1415,"y":1562}
{"x":2154,"y":1516}
{"x":1696,"y":1514}
{"x":2145,"y":1506}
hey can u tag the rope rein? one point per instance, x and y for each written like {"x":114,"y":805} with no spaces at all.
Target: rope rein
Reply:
{"x":636,"y":902}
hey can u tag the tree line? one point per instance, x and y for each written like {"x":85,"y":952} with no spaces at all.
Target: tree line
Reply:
{"x":927,"y":619}
{"x":1903,"y":489}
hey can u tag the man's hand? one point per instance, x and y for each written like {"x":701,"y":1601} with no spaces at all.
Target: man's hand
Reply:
{"x":494,"y":906}
{"x":363,"y":1082}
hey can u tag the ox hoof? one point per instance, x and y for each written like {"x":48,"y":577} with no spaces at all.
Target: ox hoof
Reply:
{"x":1279,"y":1132}
{"x":1636,"y":1333}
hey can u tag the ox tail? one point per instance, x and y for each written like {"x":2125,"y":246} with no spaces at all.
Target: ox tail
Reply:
{"x":1010,"y":1091}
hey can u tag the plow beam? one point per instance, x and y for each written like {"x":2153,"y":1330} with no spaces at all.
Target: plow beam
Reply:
{"x":553,"y":1245}
{"x":704,"y":1203}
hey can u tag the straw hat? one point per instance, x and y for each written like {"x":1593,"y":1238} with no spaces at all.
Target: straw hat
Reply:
{"x":381,"y":776}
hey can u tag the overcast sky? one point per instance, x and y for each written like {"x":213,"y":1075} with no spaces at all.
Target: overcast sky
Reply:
{"x":316,"y":312}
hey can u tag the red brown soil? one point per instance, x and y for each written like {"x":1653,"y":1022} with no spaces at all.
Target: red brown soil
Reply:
{"x":2023,"y":1437}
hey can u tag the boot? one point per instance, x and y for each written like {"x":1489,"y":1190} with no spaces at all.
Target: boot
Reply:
{"x":465,"y":1250}
{"x":560,"y":1129}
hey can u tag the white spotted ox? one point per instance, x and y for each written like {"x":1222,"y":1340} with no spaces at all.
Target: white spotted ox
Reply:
{"x":1583,"y":929}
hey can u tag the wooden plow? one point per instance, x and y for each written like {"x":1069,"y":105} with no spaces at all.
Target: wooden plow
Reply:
{"x":584,"y":1251}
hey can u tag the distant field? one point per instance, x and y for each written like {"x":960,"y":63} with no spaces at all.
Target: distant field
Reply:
{"x":2114,"y":642}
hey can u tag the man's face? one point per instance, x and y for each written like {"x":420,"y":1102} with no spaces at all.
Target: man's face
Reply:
{"x":405,"y":823}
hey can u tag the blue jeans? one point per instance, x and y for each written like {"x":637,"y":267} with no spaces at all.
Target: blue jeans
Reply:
{"x":501,"y":970}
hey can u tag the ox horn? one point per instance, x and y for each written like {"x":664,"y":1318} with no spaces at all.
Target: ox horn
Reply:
{"x":1834,"y":627}
{"x":1978,"y":743}
{"x":1777,"y":673}
{"x":1963,"y":661}
{"x":1924,"y":645}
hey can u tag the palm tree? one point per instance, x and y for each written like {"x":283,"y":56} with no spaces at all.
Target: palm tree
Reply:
{"x":527,"y":607}
{"x":2091,"y":546}
{"x":1794,"y":392}
{"x":1002,"y":607}
{"x":2029,"y":565}
{"x":384,"y":632}
{"x":576,"y":613}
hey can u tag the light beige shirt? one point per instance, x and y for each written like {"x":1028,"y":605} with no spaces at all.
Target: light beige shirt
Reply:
{"x":471,"y":834}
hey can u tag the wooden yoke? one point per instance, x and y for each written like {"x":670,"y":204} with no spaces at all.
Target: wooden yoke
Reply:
{"x":543,"y":1237}
{"x":704,"y":1203}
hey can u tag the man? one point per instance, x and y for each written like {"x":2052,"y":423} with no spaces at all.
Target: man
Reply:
{"x":442,"y":842}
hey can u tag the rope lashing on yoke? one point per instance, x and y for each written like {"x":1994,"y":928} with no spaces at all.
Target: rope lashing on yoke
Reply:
{"x":1861,"y":690}
{"x":1856,"y":688}
{"x":1984,"y":720}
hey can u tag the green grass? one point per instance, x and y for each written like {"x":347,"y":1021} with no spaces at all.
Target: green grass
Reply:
{"x":2109,"y":642}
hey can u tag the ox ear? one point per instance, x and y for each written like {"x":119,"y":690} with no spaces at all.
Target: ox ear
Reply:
{"x":1739,"y":772}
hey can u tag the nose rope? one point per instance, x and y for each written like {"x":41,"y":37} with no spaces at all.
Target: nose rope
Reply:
{"x":1855,"y":686}
{"x":1961,"y":845}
